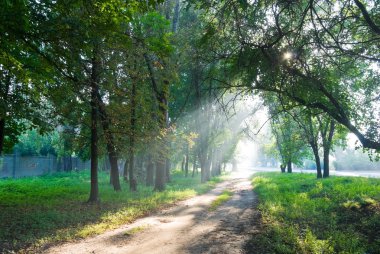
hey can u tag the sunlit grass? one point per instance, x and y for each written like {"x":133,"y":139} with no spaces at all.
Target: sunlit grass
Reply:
{"x":302,"y":214}
{"x":41,"y":210}
{"x":222,"y":198}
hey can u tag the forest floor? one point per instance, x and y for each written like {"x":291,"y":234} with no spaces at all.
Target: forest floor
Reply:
{"x":194,"y":225}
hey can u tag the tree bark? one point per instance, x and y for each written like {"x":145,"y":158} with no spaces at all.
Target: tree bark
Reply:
{"x":161,"y":96}
{"x":125,"y":173}
{"x":175,"y":17}
{"x":326,"y":150}
{"x":205,"y":167}
{"x":208,"y":166}
{"x":290,"y":166}
{"x":159,"y":183}
{"x":167,"y":169}
{"x":4,"y":95}
{"x":161,"y":163}
{"x":326,"y":164}
{"x":187,"y":161}
{"x":94,"y":193}
{"x":282,"y":167}
{"x":183,"y":163}
{"x":132,"y":183}
{"x":317,"y":161}
{"x":150,"y":172}
{"x":213,"y":164}
{"x":111,"y":149}
{"x":194,"y":164}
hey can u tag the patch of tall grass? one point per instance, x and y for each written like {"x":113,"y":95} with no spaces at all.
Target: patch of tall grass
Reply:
{"x":302,"y":214}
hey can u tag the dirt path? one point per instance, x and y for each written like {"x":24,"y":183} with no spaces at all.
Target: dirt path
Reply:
{"x":186,"y":228}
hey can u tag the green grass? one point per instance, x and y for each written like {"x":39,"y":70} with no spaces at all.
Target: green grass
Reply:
{"x":38,"y":211}
{"x":301,"y":214}
{"x":135,"y":230}
{"x":222,"y":198}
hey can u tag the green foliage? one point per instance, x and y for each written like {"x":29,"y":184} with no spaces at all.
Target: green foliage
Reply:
{"x":152,"y":29}
{"x":301,"y":214}
{"x":288,"y":140}
{"x":43,"y":210}
{"x":33,"y":143}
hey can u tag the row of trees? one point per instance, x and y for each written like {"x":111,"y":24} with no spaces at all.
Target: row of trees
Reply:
{"x":150,"y":79}
{"x":120,"y":79}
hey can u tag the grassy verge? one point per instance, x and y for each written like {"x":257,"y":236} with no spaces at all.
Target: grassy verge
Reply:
{"x":224,"y":197}
{"x":301,"y":214}
{"x":38,"y":211}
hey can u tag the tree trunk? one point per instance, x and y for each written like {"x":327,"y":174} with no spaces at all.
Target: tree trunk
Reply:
{"x":213,"y":164}
{"x":150,"y":172}
{"x":4,"y":96}
{"x":183,"y":163}
{"x":187,"y":161}
{"x":159,"y":183}
{"x":317,"y":161}
{"x":282,"y":167}
{"x":162,"y":100}
{"x":94,"y":193}
{"x":216,"y":164}
{"x":125,"y":173}
{"x":326,"y":163}
{"x":205,"y":168}
{"x":167,"y":169}
{"x":326,"y":150}
{"x":114,"y":169}
{"x":208,"y":167}
{"x":289,"y":166}
{"x":111,"y":149}
{"x":132,"y":183}
{"x":175,"y":17}
{"x":194,"y":164}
